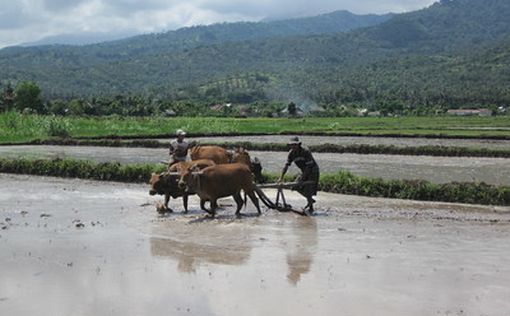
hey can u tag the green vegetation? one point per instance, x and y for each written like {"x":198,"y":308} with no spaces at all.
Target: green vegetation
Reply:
{"x":69,"y":168}
{"x":452,"y":54}
{"x":27,"y":95}
{"x":472,"y":193}
{"x":442,"y":151}
{"x":342,"y":182}
{"x":21,"y":128}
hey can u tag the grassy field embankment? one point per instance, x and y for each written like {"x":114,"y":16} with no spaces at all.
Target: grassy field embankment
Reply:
{"x":341,"y":182}
{"x":441,"y":151}
{"x":20,"y":128}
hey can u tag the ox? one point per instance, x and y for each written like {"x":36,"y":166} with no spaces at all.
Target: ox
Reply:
{"x":220,"y":181}
{"x":215,"y":153}
{"x":166,"y":183}
{"x":241,"y":155}
{"x":221,"y":156}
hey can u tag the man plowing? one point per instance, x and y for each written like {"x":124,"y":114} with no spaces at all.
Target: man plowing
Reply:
{"x":304,"y":160}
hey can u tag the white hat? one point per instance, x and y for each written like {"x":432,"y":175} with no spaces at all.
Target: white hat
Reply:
{"x":294,"y":141}
{"x":180,"y":132}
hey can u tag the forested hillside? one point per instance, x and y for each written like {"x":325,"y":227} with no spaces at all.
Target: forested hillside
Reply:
{"x":452,"y":53}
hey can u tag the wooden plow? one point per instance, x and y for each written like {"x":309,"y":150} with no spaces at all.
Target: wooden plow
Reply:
{"x":280,"y":203}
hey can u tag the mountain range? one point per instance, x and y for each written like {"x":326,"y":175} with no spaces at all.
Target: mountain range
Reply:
{"x":454,"y":52}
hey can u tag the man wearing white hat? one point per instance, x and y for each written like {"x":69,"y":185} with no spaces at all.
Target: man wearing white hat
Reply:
{"x":303,"y":159}
{"x":178,"y":147}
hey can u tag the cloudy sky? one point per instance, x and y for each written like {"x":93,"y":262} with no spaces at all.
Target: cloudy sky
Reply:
{"x":24,"y":21}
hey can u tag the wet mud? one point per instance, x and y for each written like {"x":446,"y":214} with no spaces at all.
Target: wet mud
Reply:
{"x":76,"y":247}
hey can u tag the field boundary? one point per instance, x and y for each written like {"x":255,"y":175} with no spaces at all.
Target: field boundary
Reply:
{"x":307,"y":133}
{"x":341,"y":182}
{"x":440,"y":151}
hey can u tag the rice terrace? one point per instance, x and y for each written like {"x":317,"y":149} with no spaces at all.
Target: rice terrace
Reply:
{"x":255,"y":159}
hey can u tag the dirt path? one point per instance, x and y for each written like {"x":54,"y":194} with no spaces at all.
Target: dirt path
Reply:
{"x":72,"y":247}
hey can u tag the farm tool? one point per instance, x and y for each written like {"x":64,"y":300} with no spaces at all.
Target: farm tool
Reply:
{"x":280,"y":203}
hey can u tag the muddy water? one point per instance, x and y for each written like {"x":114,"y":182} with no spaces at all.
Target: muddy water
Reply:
{"x":347,"y":140}
{"x":361,"y":256}
{"x":436,"y":169}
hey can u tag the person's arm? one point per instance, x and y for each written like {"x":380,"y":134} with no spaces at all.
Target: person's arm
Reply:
{"x":286,"y":167}
{"x":284,"y":171}
{"x":171,"y":149}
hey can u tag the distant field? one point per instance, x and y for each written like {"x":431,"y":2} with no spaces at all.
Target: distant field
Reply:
{"x":15,"y":127}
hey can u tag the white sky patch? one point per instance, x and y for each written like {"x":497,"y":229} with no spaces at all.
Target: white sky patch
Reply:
{"x":31,"y":20}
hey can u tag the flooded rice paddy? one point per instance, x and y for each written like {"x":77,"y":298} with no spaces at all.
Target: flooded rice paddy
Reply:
{"x":436,"y":169}
{"x":362,"y":140}
{"x":75,"y":247}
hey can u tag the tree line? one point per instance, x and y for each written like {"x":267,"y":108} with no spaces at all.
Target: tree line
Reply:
{"x":27,"y":97}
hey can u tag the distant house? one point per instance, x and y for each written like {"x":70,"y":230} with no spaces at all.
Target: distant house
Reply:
{"x":361,"y":112}
{"x":170,"y":113}
{"x":374,"y":114}
{"x":245,"y":111}
{"x":316,"y":109}
{"x":470,"y":112}
{"x":217,"y":107}
{"x":299,"y":112}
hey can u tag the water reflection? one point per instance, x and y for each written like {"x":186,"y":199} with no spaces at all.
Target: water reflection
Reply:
{"x":301,"y":251}
{"x":190,"y":255}
{"x":194,"y":244}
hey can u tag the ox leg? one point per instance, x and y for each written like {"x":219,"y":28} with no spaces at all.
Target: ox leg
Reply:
{"x":202,"y":205}
{"x":254,"y":199}
{"x":214,"y":205}
{"x":185,"y":202}
{"x":167,"y":199}
{"x":239,"y":201}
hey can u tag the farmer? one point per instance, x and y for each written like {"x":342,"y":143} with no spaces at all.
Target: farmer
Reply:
{"x":178,"y":148}
{"x":303,"y":159}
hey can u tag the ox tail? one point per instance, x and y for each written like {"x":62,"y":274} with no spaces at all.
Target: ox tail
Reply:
{"x":263,"y":197}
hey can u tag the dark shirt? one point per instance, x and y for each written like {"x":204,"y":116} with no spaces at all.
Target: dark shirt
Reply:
{"x":302,"y":157}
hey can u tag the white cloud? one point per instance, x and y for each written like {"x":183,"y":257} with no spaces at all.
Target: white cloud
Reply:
{"x":30,"y":20}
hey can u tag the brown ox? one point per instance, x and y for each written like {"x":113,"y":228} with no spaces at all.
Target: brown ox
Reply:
{"x":241,"y":155}
{"x":215,"y":153}
{"x":166,"y":183}
{"x":220,"y":181}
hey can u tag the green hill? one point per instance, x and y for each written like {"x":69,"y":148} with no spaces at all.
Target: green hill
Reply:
{"x":450,"y":53}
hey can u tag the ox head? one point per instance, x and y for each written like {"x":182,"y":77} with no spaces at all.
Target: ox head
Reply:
{"x":189,"y":178}
{"x":163,"y":183}
{"x":241,"y":155}
{"x":256,"y":169}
